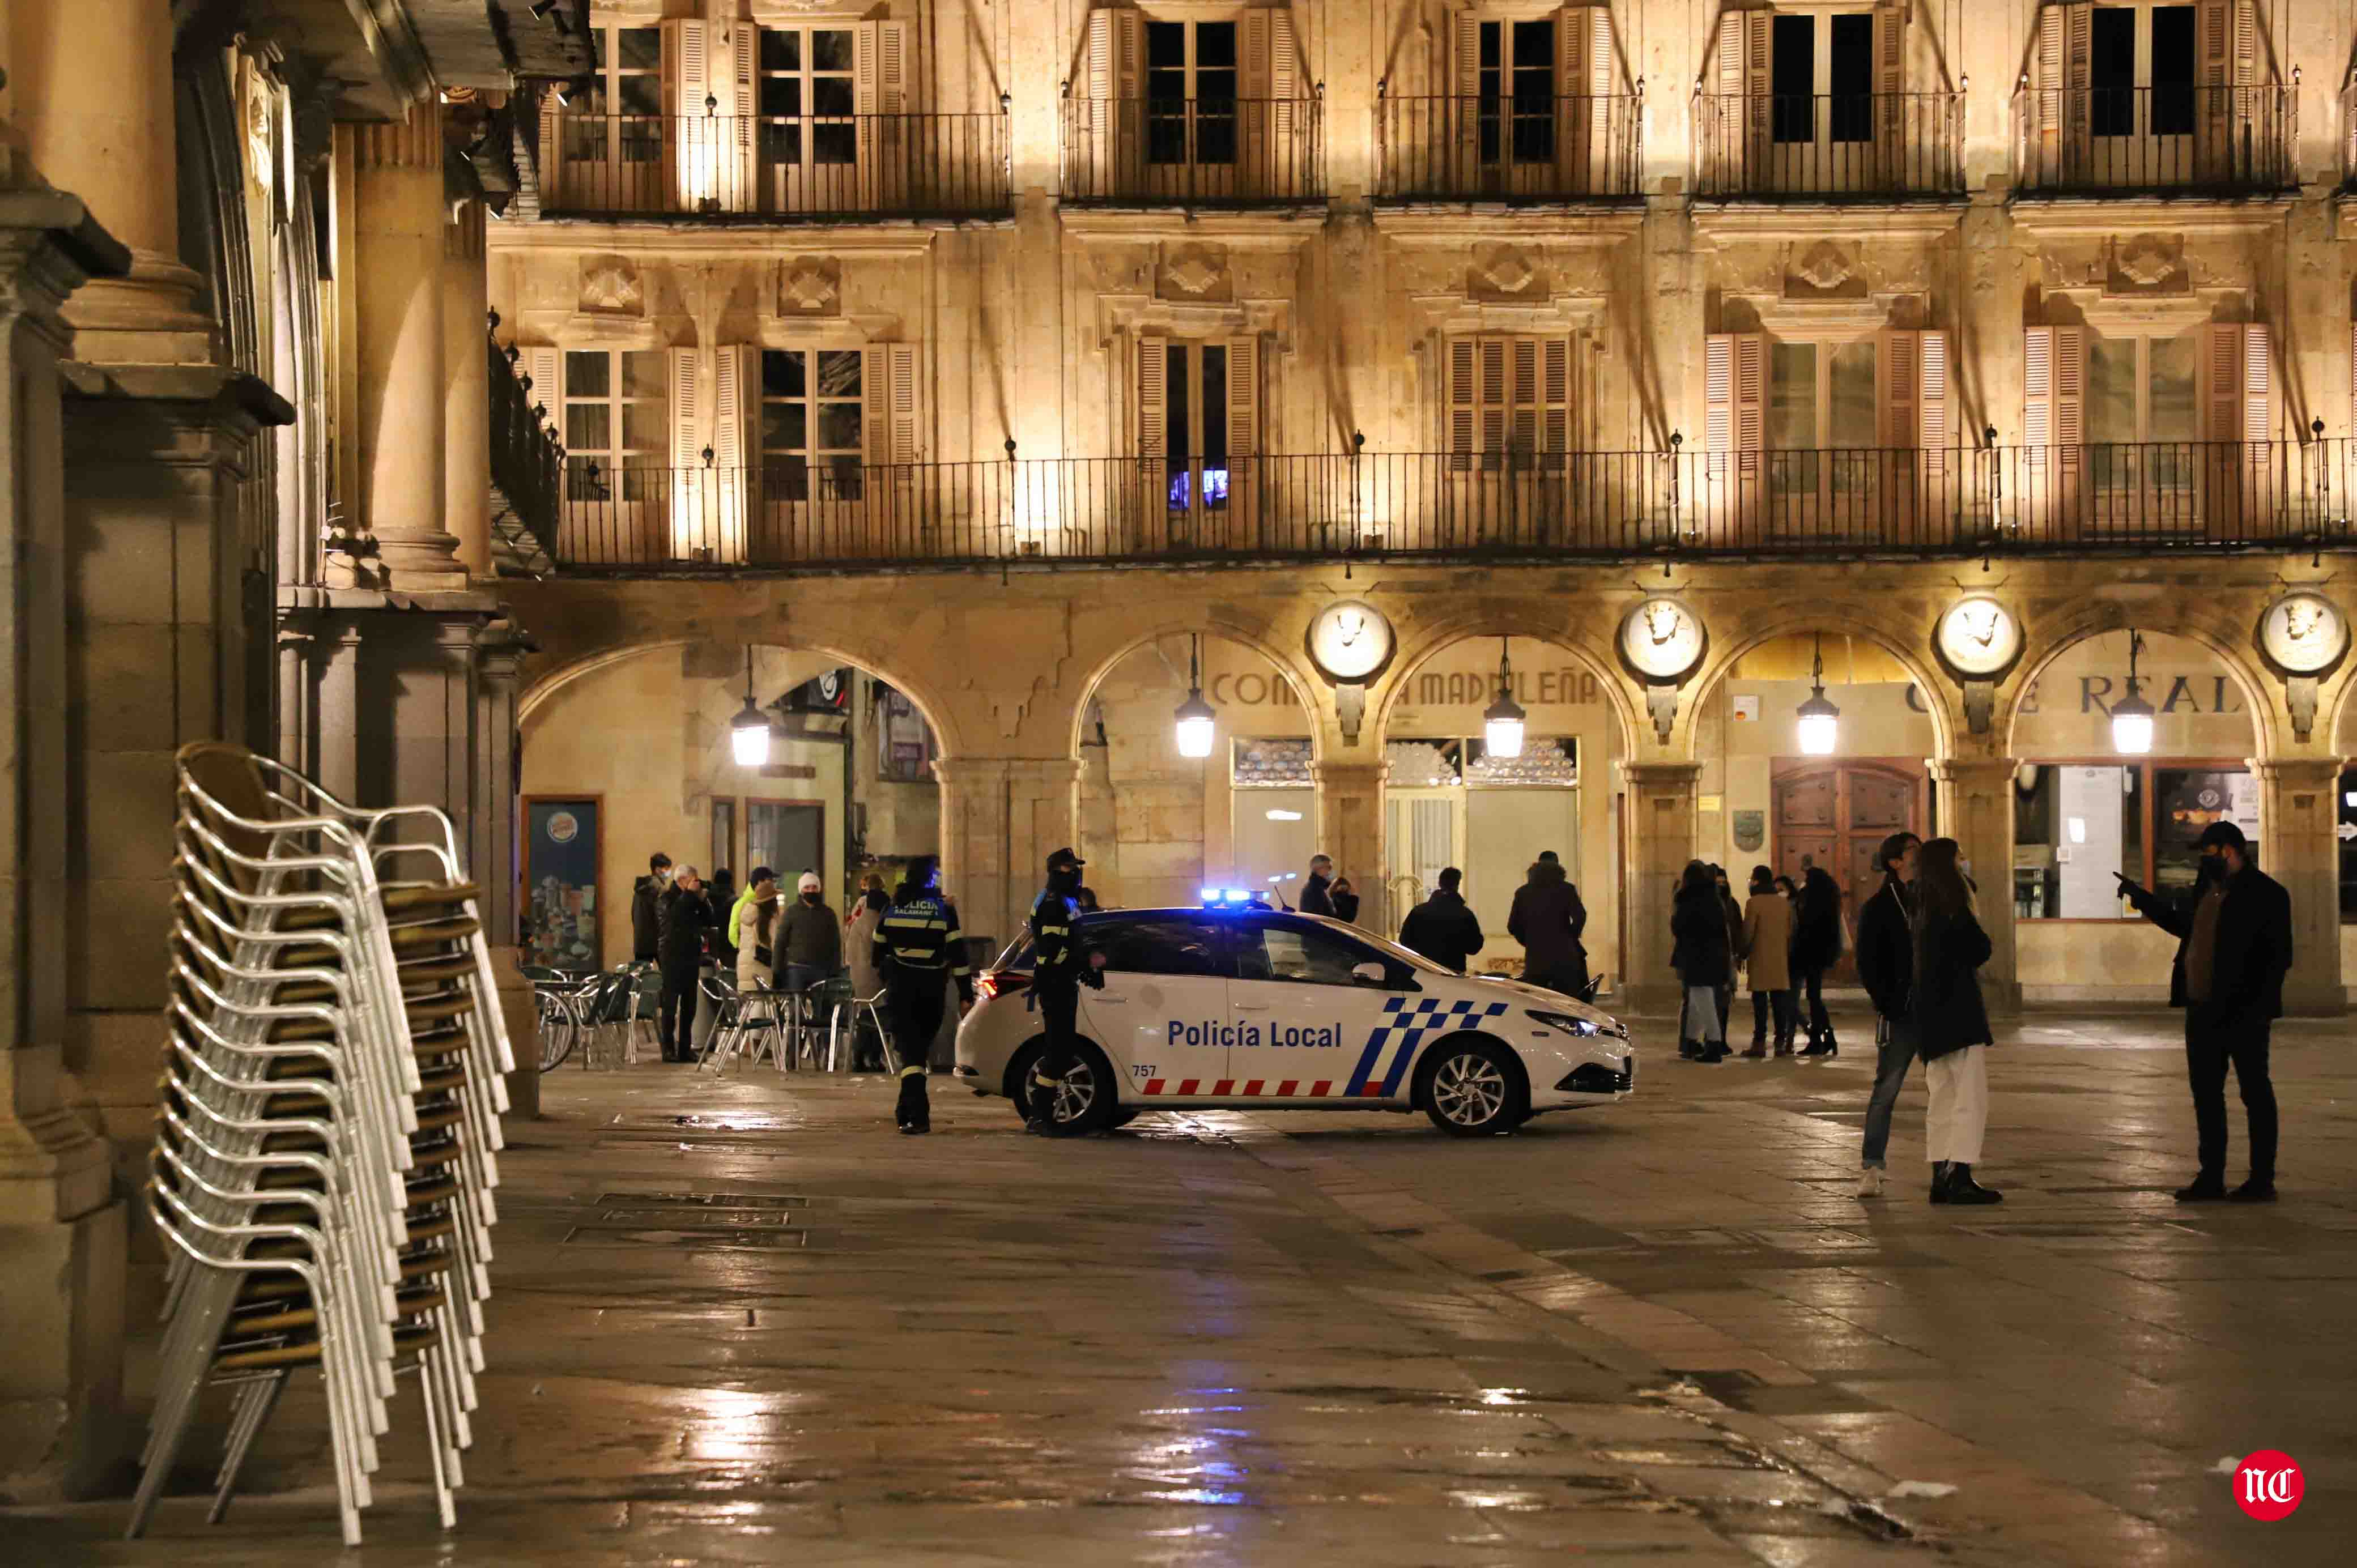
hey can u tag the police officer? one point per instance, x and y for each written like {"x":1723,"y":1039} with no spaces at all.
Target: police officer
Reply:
{"x":1060,"y":967}
{"x":919,"y":948}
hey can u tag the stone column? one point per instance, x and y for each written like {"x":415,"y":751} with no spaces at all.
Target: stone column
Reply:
{"x":2299,"y":849}
{"x":92,"y":85}
{"x":61,"y":1228}
{"x":398,"y":201}
{"x":466,"y":390}
{"x":1660,"y":824}
{"x":1001,"y":816}
{"x":1351,"y":829}
{"x":1974,"y":801}
{"x":499,"y":655}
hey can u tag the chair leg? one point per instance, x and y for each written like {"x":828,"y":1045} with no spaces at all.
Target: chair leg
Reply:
{"x":253,"y":1413}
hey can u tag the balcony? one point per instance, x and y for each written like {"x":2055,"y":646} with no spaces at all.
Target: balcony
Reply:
{"x":773,"y":170}
{"x":1509,"y":150}
{"x":1858,"y":146}
{"x":527,"y":467}
{"x":2222,"y":141}
{"x":1541,"y":507}
{"x":1170,"y":152}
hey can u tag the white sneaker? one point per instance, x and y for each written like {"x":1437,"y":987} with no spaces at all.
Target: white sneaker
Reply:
{"x":1870,"y":1182}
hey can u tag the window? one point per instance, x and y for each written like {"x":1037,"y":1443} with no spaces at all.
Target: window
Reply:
{"x":806,"y":96}
{"x":2143,"y":409}
{"x":1195,"y":423}
{"x":1176,"y":945}
{"x":1822,"y":396}
{"x":1190,"y":92}
{"x":2077,"y":826}
{"x":614,"y":423}
{"x":620,"y":118}
{"x":1302,"y":955}
{"x":813,"y":423}
{"x":1839,"y":53}
{"x":2140,"y":71}
{"x":1517,"y":91}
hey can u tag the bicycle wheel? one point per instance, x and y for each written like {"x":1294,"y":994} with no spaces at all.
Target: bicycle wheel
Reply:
{"x":557,"y":1034}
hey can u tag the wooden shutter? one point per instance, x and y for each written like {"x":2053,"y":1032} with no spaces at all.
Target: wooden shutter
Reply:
{"x":889,"y":390}
{"x":882,"y":75}
{"x":1554,"y":402}
{"x":686,"y":409}
{"x":552,"y":183}
{"x":1737,"y":131}
{"x":1584,"y":74}
{"x":686,"y":82}
{"x":1898,"y":365}
{"x":545,"y":364}
{"x":1243,"y":397}
{"x":1464,"y":402}
{"x":2065,"y":38}
{"x":1893,"y":170}
{"x":1458,"y":125}
{"x":1735,"y":375}
{"x":739,"y":179}
{"x":1911,"y":368}
{"x":2247,"y":66}
{"x":1937,"y":464}
{"x":1287,"y":147}
{"x":2053,"y":424}
{"x":1153,"y":396}
{"x":735,"y":404}
{"x":1493,"y":399}
{"x":2240,"y":368}
{"x":1108,"y":126}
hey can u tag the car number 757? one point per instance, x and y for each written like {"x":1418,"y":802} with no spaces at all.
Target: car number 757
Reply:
{"x":1141,"y":1069}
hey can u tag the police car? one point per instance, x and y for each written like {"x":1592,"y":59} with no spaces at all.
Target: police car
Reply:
{"x":1233,"y":1004}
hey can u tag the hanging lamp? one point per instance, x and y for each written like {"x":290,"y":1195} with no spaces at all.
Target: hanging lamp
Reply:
{"x":1501,"y":726}
{"x":2132,"y":716}
{"x":1196,"y":717}
{"x":1820,"y":720}
{"x":749,"y":732}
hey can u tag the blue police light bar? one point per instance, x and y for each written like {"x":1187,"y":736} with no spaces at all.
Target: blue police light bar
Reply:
{"x":1229,"y":898}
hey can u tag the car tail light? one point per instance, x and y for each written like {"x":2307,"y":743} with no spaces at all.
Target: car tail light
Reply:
{"x":1001,"y":982}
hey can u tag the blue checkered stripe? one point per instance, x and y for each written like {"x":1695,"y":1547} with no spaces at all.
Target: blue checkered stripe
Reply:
{"x":1407,"y":1022}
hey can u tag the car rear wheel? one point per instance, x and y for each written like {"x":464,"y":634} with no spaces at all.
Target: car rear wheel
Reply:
{"x":1086,"y":1102}
{"x":1474,"y":1089}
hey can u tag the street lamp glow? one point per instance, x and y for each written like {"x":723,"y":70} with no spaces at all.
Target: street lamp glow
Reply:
{"x":1196,"y":717}
{"x":2132,"y":716}
{"x":1820,"y":721}
{"x":749,"y":732}
{"x":1502,"y":725}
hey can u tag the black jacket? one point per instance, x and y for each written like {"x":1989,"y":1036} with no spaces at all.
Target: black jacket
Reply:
{"x":1948,"y":1011}
{"x":1816,"y":924}
{"x":1345,"y":906}
{"x":1314,"y":898}
{"x":1701,"y":953}
{"x":685,"y":919}
{"x":1886,"y":948}
{"x":1548,"y":918}
{"x":1442,"y":929}
{"x":2254,"y":951}
{"x":646,"y":919}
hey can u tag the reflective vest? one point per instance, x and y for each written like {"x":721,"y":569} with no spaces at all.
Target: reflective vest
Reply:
{"x":922,"y":935}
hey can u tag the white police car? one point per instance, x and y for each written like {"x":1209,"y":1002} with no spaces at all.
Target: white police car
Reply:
{"x":1237,"y":1006}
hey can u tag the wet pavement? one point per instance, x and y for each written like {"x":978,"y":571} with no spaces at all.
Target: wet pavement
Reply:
{"x":741,"y":1321}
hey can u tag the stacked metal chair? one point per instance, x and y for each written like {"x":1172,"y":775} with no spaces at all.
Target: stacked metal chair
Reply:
{"x":327,"y":1137}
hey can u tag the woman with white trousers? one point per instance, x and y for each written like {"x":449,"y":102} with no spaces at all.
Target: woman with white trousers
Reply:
{"x":1951,"y":1024}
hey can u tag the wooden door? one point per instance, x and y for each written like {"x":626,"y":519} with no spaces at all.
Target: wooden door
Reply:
{"x":1835,"y":815}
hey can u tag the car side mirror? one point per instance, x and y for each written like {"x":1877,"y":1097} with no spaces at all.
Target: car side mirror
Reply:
{"x":1369,"y":974}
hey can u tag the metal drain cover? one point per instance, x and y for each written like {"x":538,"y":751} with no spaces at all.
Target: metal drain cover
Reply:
{"x":700,"y":1200}
{"x":698,"y":1239}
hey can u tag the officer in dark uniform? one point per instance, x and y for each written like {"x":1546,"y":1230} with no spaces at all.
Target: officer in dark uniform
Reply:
{"x":919,"y":949}
{"x":1060,"y":967}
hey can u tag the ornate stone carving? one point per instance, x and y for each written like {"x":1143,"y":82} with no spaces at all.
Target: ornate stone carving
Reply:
{"x":1506,"y":271}
{"x":2148,"y":264}
{"x":1196,"y":272}
{"x":812,"y":285}
{"x":1823,"y":266}
{"x":610,"y":287}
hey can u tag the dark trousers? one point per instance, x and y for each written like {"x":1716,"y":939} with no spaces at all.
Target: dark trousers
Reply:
{"x":2209,"y":1050}
{"x":1569,"y":976}
{"x":1059,"y":1006}
{"x":1813,"y":983}
{"x":914,"y":999}
{"x":677,"y":1020}
{"x":1775,"y":1003}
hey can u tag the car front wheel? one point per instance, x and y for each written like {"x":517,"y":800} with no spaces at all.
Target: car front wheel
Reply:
{"x":1475,"y":1090}
{"x":1086,"y":1102}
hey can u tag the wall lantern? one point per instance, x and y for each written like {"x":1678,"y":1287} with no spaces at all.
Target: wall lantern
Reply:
{"x":749,"y":732}
{"x":1194,"y":716}
{"x":1820,"y":720}
{"x":2132,"y":716}
{"x":1501,"y":726}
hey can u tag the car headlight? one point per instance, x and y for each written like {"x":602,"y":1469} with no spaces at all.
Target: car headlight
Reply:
{"x":1583,"y":1028}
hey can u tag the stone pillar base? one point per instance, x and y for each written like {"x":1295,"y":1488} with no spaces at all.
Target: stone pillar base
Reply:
{"x":61,"y":1425}
{"x":521,"y":1012}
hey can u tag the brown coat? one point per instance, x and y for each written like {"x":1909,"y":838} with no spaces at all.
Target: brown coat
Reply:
{"x":1767,"y":937}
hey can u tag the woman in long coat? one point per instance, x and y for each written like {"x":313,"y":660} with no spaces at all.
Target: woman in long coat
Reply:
{"x":1766,"y":944}
{"x":1703,"y":954}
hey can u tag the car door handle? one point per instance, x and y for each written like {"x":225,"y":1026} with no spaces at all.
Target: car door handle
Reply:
{"x":1248,"y":1007}
{"x":1105,"y":1001}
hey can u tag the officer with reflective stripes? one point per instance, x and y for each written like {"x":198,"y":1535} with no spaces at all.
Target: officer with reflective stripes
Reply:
{"x":919,"y":948}
{"x":1060,"y":967}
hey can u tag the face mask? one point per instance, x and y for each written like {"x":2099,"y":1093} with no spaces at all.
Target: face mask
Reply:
{"x":810,"y":898}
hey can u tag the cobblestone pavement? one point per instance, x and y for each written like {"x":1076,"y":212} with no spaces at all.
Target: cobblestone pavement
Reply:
{"x":742,"y":1322}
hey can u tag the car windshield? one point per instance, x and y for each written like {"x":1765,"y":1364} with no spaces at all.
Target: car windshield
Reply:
{"x":1391,"y":950}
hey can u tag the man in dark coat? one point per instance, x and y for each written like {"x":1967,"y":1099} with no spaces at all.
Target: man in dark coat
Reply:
{"x":1315,"y":898}
{"x":1703,"y":952}
{"x":679,"y":948}
{"x":646,"y":907}
{"x":1441,"y":927}
{"x":1816,"y":948}
{"x":1886,"y":967}
{"x":1547,"y":918}
{"x":2233,"y":949}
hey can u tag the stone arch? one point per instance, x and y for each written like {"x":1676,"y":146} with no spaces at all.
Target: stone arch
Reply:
{"x":546,"y":683}
{"x":2095,"y":618}
{"x":1430,"y":640}
{"x":1304,"y":687}
{"x":1904,"y":640}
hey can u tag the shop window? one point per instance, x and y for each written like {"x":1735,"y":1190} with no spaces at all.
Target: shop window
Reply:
{"x":2078,"y":827}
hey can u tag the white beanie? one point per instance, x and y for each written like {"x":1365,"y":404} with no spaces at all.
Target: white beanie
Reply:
{"x":809,"y":883}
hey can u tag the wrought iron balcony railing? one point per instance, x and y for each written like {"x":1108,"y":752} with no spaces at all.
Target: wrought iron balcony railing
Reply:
{"x":527,"y":465}
{"x":1193,"y":152}
{"x":2232,"y":139}
{"x":1505,"y":149}
{"x":1599,"y":506}
{"x":1874,"y":147}
{"x":772,"y":168}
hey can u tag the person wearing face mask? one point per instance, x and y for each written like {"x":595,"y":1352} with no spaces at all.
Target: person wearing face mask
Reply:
{"x":646,"y":909}
{"x":2233,"y":949}
{"x":1060,"y":967}
{"x":810,"y":937}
